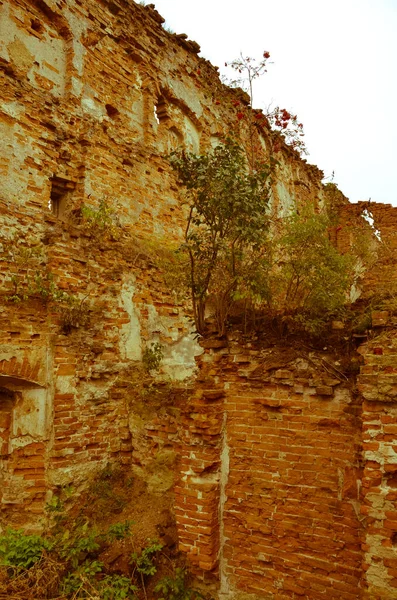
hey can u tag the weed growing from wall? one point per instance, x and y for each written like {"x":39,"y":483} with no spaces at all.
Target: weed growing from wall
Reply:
{"x":30,"y":277}
{"x":152,"y":357}
{"x":176,"y":587}
{"x":309,"y":280}
{"x":66,"y":562}
{"x":101,"y":222}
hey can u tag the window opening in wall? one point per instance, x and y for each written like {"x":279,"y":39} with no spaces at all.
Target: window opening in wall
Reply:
{"x":23,"y":410}
{"x":60,"y":189}
{"x":161,"y":110}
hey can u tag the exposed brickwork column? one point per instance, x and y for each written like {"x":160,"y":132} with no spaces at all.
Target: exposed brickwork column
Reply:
{"x":197,"y":494}
{"x":378,"y":385}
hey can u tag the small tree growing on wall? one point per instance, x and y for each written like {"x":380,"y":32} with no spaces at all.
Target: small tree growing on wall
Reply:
{"x":227,"y":222}
{"x":308,"y":280}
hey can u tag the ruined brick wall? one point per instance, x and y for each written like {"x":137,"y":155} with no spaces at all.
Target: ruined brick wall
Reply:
{"x":357,"y":224}
{"x":377,"y":384}
{"x":95,"y":94}
{"x":270,"y":475}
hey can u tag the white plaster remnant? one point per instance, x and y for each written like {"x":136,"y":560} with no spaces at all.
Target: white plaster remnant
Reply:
{"x":189,"y":97}
{"x":13,"y":109}
{"x":65,"y":384}
{"x":30,"y":418}
{"x":92,"y":107}
{"x":130,"y":339}
{"x":384,"y":455}
{"x":179,"y":353}
{"x":192,"y":136}
{"x":179,"y":358}
{"x":78,"y":28}
{"x":224,"y":478}
{"x":287,"y":202}
{"x":43,"y":60}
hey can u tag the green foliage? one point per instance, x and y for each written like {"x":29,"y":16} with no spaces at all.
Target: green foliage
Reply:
{"x":101,"y":222}
{"x":83,"y":583}
{"x":20,"y":550}
{"x":117,"y":587}
{"x":168,"y":29}
{"x":75,"y":583}
{"x":289,"y":272}
{"x":27,"y":267}
{"x":152,"y":357}
{"x":72,"y":558}
{"x":72,"y":545}
{"x":309,"y":279}
{"x":78,"y":549}
{"x":227,"y":219}
{"x":174,"y":588}
{"x":31,"y":278}
{"x":119,"y":531}
{"x":74,"y":312}
{"x":144,"y":560}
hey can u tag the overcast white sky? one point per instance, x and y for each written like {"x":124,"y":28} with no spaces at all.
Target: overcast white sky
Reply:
{"x":335,"y":65}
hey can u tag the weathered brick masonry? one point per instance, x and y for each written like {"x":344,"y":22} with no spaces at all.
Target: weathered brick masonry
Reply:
{"x":275,"y":443}
{"x":285,"y":485}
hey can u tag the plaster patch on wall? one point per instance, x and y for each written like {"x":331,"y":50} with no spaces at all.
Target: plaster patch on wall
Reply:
{"x":15,"y":176}
{"x":93,"y":107}
{"x":189,"y":97}
{"x":77,"y":86}
{"x":377,"y":574}
{"x":13,"y":109}
{"x":180,"y":350}
{"x":41,"y":58}
{"x":77,"y":474}
{"x":130,"y":338}
{"x":30,"y":420}
{"x":78,"y":28}
{"x":65,"y":384}
{"x":192,"y":136}
{"x":224,"y":477}
{"x":286,"y":200}
{"x":179,"y":358}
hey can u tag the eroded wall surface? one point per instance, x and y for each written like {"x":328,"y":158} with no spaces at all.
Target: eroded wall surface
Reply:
{"x":264,"y":445}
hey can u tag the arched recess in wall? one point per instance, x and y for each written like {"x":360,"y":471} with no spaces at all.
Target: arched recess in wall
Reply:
{"x":24,"y":414}
{"x":175,"y":124}
{"x":24,"y":437}
{"x":37,"y":44}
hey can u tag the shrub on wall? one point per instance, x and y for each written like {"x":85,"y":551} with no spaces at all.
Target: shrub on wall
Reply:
{"x":286,"y":270}
{"x":227,"y":222}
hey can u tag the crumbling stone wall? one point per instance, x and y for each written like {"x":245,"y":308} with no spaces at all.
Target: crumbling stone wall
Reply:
{"x":265,"y":443}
